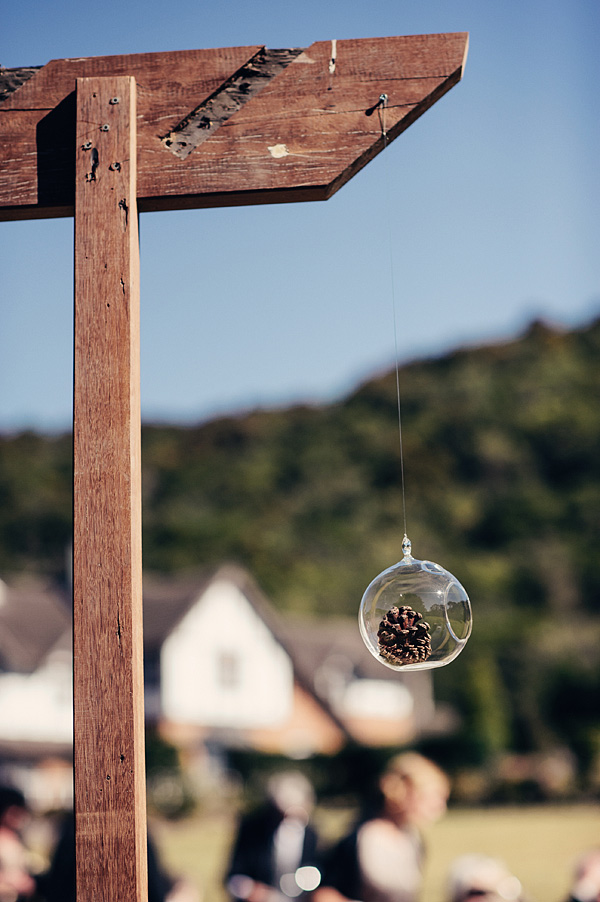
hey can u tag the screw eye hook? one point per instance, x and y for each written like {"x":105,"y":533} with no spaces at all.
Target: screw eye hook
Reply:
{"x":383,"y":99}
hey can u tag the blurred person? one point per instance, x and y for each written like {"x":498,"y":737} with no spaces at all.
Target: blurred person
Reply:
{"x":586,"y":878}
{"x":58,"y":883}
{"x":16,"y":883}
{"x":477,"y":876}
{"x":381,"y":859}
{"x":274,"y":853}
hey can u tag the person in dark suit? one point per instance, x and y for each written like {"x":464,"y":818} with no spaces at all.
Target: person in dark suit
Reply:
{"x":274,"y":854}
{"x":58,"y":883}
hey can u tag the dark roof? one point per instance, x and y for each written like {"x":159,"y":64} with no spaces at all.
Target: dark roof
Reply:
{"x":33,"y":617}
{"x":32,"y":750}
{"x":165,"y":603}
{"x":317,"y":640}
{"x":167,"y":600}
{"x":309,"y":641}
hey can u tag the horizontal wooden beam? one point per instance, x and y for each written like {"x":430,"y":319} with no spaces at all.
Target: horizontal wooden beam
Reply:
{"x":301,"y":131}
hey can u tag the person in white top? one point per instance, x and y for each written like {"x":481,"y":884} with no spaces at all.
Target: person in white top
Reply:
{"x":381,"y":860}
{"x":586,"y":879}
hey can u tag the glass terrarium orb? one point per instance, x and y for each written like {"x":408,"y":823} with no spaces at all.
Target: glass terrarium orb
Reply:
{"x":415,"y":615}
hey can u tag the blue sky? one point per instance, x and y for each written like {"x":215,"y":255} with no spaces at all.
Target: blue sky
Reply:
{"x":490,"y":204}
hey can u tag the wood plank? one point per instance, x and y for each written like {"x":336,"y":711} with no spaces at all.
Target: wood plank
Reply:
{"x":317,"y":122}
{"x":315,"y":119}
{"x":37,"y":120}
{"x":248,"y":81}
{"x":110,"y":810}
{"x":11,"y":79}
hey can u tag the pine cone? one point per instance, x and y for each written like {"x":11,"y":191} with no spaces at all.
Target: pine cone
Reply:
{"x":403,"y":636}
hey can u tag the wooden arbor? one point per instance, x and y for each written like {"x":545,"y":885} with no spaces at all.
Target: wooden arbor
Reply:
{"x":103,"y":138}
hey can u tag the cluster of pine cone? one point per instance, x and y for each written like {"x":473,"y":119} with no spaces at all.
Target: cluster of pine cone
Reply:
{"x":403,"y":636}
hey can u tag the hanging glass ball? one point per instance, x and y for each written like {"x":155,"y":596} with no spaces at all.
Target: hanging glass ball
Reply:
{"x":415,"y":615}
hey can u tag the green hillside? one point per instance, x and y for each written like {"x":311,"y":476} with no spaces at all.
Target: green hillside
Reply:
{"x":502,"y":465}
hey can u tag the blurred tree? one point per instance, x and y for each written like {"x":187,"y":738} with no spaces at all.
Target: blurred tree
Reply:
{"x":502,"y":462}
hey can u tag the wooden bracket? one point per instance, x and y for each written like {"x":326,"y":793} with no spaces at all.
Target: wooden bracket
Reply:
{"x":202,"y":143}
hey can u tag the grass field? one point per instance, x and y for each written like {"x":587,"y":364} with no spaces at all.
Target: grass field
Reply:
{"x":539,"y":844}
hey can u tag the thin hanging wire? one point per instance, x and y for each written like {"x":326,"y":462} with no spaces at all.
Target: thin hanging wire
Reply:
{"x":381,"y":111}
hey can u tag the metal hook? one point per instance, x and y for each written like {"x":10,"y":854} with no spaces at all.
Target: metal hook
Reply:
{"x":383,"y":99}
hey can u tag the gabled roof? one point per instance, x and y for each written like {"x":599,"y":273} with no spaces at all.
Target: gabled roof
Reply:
{"x":34,"y":614}
{"x":308,"y":641}
{"x":317,"y":640}
{"x":33,"y":617}
{"x":336,"y":641}
{"x":314,"y":645}
{"x":166,"y":603}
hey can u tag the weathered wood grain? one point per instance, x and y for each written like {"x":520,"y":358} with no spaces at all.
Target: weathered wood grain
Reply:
{"x":37,"y":129}
{"x":11,"y":79}
{"x":110,"y":811}
{"x":315,"y":121}
{"x":247,"y":82}
{"x":302,"y":137}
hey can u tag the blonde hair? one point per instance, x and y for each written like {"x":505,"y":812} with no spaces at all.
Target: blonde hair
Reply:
{"x":416,"y":769}
{"x":410,"y":773}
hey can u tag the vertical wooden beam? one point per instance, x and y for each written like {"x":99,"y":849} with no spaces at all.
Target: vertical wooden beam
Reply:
{"x":110,"y":804}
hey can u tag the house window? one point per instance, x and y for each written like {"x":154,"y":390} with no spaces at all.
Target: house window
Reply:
{"x":228,"y":670}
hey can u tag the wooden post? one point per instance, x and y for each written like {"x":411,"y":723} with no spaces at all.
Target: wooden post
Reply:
{"x":110,"y":805}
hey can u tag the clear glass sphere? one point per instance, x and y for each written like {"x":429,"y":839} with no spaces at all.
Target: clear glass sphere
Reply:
{"x":415,"y":615}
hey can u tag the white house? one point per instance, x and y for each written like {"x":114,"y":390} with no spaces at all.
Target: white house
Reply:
{"x":221,"y":667}
{"x":36,"y":699}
